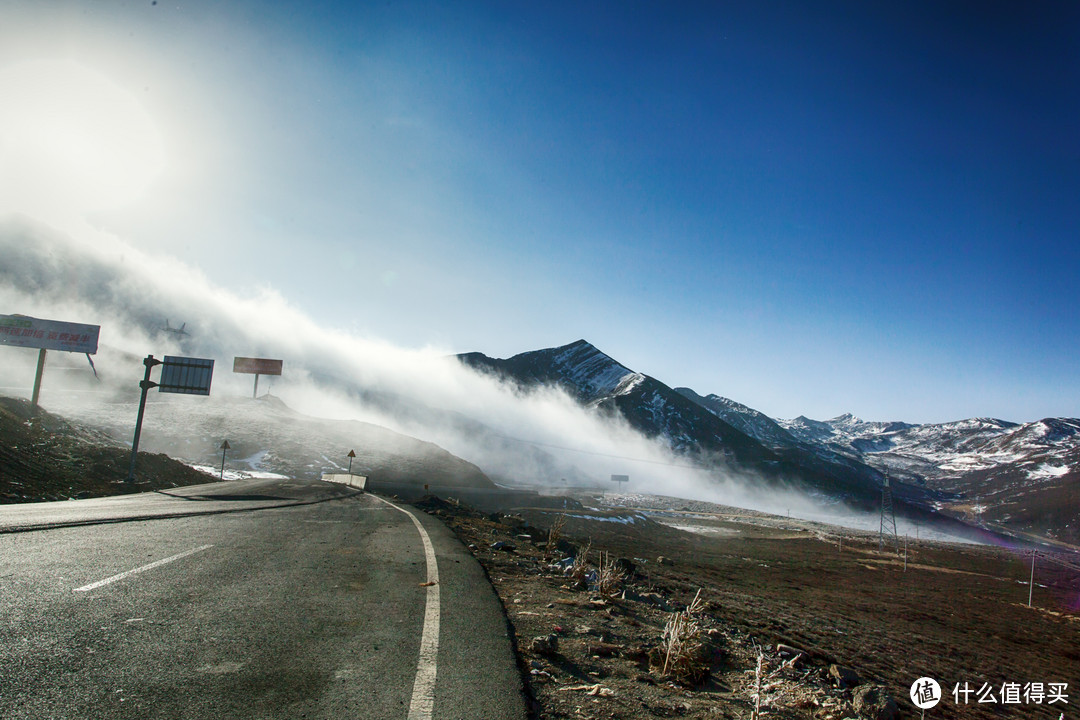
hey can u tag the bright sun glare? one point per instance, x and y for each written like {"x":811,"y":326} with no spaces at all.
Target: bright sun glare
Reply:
{"x":71,"y":140}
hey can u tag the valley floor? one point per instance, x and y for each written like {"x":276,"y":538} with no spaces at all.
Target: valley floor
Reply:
{"x":838,"y":622}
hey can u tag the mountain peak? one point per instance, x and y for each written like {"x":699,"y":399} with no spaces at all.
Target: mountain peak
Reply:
{"x":580,"y":367}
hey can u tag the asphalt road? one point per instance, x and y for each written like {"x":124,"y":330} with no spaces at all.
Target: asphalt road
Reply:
{"x":262,"y":607}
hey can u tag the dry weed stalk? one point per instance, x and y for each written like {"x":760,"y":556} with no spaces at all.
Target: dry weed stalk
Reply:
{"x":609,"y":576}
{"x":757,"y":682}
{"x":555,"y":533}
{"x":682,"y":644}
{"x":580,"y":568}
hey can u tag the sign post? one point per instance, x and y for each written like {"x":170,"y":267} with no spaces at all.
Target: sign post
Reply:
{"x":30,"y":332}
{"x":145,"y":384}
{"x":257,"y":367}
{"x":183,"y":375}
{"x":351,"y":456}
{"x":37,"y":377}
{"x":224,"y":447}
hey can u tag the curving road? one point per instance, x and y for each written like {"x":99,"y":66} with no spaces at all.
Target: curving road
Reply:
{"x":258,"y":599}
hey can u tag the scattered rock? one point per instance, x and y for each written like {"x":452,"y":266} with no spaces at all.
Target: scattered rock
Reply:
{"x":845,"y":677}
{"x":503,"y":545}
{"x":603,"y":649}
{"x":874,"y":703}
{"x":545,"y":644}
{"x":663,"y":560}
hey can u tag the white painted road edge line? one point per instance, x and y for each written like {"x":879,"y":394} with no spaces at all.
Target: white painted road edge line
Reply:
{"x":423,"y":695}
{"x":136,"y":571}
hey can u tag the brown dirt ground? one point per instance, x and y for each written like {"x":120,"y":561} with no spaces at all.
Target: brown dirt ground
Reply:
{"x":958,"y":613}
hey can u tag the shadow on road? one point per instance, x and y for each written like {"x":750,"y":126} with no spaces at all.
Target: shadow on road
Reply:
{"x":248,"y":498}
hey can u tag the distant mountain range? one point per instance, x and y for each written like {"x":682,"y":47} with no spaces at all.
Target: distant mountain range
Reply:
{"x":1024,"y":478}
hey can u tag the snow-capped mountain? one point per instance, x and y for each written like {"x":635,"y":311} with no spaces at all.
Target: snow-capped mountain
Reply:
{"x":579,"y":368}
{"x":1021,"y":477}
{"x":688,"y":427}
{"x":756,"y":424}
{"x":1024,"y":476}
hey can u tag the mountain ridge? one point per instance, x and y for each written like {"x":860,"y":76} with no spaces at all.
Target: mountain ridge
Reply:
{"x":1018,"y":476}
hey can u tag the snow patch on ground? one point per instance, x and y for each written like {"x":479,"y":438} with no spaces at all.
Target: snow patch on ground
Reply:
{"x":1047,"y":471}
{"x":231,"y":474}
{"x":622,"y":519}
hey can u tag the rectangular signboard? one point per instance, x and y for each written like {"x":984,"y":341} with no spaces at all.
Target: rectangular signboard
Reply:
{"x":257,"y":366}
{"x":29,"y":332}
{"x":620,"y":478}
{"x":187,"y":376}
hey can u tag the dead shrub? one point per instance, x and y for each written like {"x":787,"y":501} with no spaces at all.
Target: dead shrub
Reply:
{"x":609,"y":576}
{"x":579,"y":570}
{"x":683,"y":653}
{"x":554,"y":534}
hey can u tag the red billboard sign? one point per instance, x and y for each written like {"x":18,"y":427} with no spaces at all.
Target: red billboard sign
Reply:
{"x":25,"y":331}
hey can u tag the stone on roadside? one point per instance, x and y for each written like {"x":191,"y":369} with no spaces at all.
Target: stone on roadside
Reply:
{"x":873,"y":702}
{"x":845,"y":677}
{"x":545,"y":644}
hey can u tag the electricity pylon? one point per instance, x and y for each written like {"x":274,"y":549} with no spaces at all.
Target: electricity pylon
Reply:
{"x":888,"y":518}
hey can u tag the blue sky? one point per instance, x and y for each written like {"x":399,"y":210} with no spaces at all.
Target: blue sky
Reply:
{"x":811,"y":208}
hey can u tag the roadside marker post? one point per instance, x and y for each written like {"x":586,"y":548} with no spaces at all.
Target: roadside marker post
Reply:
{"x":1031,"y":583}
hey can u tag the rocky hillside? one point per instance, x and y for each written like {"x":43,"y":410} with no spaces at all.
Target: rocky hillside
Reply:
{"x":266,"y":435}
{"x":1023,"y":476}
{"x":687,"y":426}
{"x":1020,"y":477}
{"x":45,"y":457}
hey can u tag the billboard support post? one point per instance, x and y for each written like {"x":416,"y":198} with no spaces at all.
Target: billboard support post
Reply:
{"x":37,"y":377}
{"x":257,"y":367}
{"x":149,"y":362}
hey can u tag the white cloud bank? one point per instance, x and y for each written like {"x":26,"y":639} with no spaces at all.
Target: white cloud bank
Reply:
{"x":88,"y":276}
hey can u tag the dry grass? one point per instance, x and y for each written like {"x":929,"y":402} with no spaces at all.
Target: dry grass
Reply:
{"x":580,"y":569}
{"x":683,"y":649}
{"x":554,"y":534}
{"x":609,"y":576}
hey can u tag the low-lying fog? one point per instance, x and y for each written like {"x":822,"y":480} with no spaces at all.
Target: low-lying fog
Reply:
{"x":539,"y":437}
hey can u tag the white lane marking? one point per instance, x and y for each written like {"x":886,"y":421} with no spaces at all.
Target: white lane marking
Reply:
{"x":136,"y":571}
{"x":423,"y":696}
